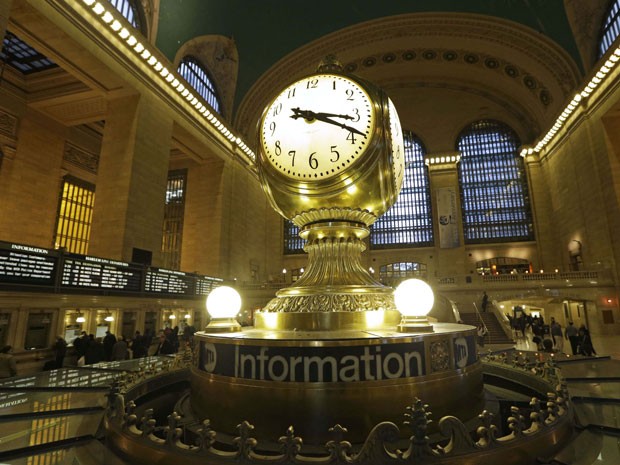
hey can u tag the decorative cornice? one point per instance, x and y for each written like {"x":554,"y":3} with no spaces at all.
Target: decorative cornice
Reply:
{"x":353,"y":44}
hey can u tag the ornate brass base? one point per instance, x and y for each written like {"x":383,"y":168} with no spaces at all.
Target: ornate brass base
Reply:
{"x":334,"y":282}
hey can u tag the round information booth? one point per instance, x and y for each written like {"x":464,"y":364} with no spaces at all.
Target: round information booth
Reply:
{"x":314,"y":380}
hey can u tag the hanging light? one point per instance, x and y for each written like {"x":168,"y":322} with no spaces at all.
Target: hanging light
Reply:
{"x":80,"y":318}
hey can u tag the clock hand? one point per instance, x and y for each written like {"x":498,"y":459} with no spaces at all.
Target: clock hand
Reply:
{"x":333,"y":115}
{"x":310,"y":115}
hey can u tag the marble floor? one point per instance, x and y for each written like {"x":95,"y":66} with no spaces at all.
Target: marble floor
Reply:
{"x":594,"y":387}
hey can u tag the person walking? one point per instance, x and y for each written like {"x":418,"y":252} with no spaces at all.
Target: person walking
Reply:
{"x":8,"y":367}
{"x":108,"y":343}
{"x":485,"y":301}
{"x":585,"y":346}
{"x":164,"y":347}
{"x":572,"y":334}
{"x":557,"y":336}
{"x":482,"y":333}
{"x":60,"y":350}
{"x":120,"y":350}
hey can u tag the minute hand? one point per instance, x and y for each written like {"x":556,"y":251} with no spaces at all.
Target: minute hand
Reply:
{"x":326,"y":119}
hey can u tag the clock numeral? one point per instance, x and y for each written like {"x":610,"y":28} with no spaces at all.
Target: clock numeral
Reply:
{"x":312,"y":161}
{"x":277,"y":109}
{"x":278,"y":149}
{"x":333,"y":85}
{"x":291,"y":93}
{"x":292,"y":155}
{"x":335,"y":152}
{"x":351,"y":137}
{"x":357,"y":115}
{"x":272,"y":126}
{"x":312,"y":84}
{"x":349,"y":93}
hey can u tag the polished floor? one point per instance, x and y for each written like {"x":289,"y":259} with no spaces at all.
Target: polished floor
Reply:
{"x":594,"y":387}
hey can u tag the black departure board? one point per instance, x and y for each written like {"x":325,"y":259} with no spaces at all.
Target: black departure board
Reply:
{"x":205,"y":284}
{"x":23,"y":264}
{"x":162,"y":281}
{"x":63,"y":271}
{"x":86,"y":272}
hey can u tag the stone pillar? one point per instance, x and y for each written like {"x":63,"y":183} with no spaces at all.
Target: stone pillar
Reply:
{"x":447,"y":215}
{"x":203,"y":218}
{"x":5,"y":8}
{"x":131,"y":185}
{"x":30,"y":181}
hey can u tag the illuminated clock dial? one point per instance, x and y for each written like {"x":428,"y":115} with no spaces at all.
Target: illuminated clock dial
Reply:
{"x":317,"y":128}
{"x":397,"y":146}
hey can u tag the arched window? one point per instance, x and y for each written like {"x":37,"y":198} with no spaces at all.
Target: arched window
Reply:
{"x":409,"y":222}
{"x":293,"y":244}
{"x":610,"y":29}
{"x":196,"y":76}
{"x":494,"y":194}
{"x":132,"y":12}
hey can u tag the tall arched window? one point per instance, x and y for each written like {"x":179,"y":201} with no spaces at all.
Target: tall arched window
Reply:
{"x":494,"y":194}
{"x":293,"y":244}
{"x":610,"y":29}
{"x":197,"y":76}
{"x":409,"y":223}
{"x":132,"y":12}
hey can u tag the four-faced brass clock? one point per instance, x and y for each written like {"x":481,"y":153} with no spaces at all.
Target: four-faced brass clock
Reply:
{"x":330,"y":144}
{"x":317,"y":127}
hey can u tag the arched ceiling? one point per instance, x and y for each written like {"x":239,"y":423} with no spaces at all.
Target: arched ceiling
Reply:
{"x":267,"y":30}
{"x":513,"y":60}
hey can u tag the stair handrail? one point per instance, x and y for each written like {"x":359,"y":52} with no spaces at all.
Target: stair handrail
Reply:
{"x":503,"y":321}
{"x":479,"y":316}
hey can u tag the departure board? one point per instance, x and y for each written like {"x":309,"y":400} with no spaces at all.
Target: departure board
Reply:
{"x":205,"y":284}
{"x":63,"y":271}
{"x":99,"y":273}
{"x":162,"y":281}
{"x":22,"y":264}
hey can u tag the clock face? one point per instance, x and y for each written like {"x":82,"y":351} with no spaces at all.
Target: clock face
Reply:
{"x":317,"y":127}
{"x":397,"y":146}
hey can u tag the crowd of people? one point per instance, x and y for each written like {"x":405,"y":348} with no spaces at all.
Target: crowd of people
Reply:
{"x":551,"y":337}
{"x":89,"y":349}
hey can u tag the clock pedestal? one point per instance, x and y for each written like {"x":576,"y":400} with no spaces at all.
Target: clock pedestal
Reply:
{"x":335,"y":292}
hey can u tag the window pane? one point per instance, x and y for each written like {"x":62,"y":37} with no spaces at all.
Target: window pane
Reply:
{"x":293,"y":244}
{"x":610,"y":29}
{"x":76,"y":203}
{"x":493,"y":185}
{"x":174,"y":211}
{"x":22,"y":56}
{"x":129,"y":10}
{"x":409,"y":222}
{"x":196,"y":76}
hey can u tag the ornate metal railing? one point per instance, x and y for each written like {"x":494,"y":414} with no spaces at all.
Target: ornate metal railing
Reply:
{"x":384,"y":444}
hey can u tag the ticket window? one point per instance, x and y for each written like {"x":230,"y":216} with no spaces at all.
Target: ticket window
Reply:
{"x":129,"y":325}
{"x":74,"y":325}
{"x":5,"y":320}
{"x":197,"y":321}
{"x":38,"y":332}
{"x":150,"y":323}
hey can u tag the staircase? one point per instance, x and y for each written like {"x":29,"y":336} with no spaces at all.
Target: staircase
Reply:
{"x":496,"y":332}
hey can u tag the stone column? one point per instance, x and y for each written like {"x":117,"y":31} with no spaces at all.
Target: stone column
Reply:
{"x":203,"y":218}
{"x":30,"y":181}
{"x":131,"y":184}
{"x":5,"y":8}
{"x":447,"y":215}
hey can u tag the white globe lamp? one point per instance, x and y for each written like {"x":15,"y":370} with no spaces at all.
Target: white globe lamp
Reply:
{"x":223,"y":304}
{"x":414,"y":298}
